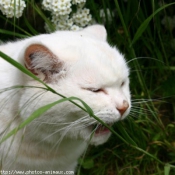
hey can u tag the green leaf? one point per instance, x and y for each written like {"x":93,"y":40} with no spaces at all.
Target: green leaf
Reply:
{"x":145,"y":23}
{"x":167,"y":169}
{"x":88,"y":164}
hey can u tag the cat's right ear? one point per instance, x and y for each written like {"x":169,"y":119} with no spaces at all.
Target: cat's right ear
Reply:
{"x":42,"y":62}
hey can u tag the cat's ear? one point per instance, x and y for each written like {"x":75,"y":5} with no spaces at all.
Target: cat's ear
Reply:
{"x":42,"y":62}
{"x":97,"y":31}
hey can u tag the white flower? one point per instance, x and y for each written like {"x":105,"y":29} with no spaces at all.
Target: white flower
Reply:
{"x":82,"y":17}
{"x":75,"y":28}
{"x":169,"y":22}
{"x":62,"y":22}
{"x":108,"y":13}
{"x":12,"y":8}
{"x":46,"y":5}
{"x":78,"y":1}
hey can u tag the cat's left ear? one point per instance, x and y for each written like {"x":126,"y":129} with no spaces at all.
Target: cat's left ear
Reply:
{"x":97,"y":31}
{"x":42,"y":62}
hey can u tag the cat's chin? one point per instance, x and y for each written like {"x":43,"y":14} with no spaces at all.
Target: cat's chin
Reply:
{"x":99,"y":139}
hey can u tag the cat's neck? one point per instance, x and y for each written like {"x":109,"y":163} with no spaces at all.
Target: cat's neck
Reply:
{"x":39,"y":150}
{"x":49,"y":156}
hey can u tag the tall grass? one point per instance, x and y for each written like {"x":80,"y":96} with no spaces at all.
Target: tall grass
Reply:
{"x":144,"y":143}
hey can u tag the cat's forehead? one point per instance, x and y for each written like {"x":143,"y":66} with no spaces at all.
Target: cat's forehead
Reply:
{"x":88,"y":54}
{"x":74,"y":45}
{"x":104,"y":68}
{"x":97,"y":61}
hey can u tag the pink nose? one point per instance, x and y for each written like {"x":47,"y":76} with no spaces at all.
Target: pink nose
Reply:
{"x":123,"y":107}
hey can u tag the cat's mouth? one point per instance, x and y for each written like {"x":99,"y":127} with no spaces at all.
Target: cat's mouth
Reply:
{"x":99,"y":129}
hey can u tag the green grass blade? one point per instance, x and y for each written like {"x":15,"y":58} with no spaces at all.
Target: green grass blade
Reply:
{"x":131,"y":49}
{"x":27,"y":72}
{"x":16,"y":26}
{"x":7,"y":32}
{"x":19,"y":66}
{"x":132,"y":144}
{"x":88,"y":109}
{"x":34,"y":32}
{"x":126,"y":135}
{"x":167,"y":169}
{"x":39,"y":11}
{"x":144,"y":25}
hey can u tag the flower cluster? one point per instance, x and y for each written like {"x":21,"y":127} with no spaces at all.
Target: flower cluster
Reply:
{"x":12,"y":8}
{"x":57,"y":7}
{"x":81,"y":17}
{"x":62,"y":16}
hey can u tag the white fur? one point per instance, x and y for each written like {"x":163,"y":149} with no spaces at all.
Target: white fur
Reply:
{"x":58,"y":138}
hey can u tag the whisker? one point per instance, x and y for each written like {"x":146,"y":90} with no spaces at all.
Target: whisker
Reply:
{"x":144,"y":58}
{"x":136,"y":108}
{"x":149,"y":100}
{"x":69,"y":126}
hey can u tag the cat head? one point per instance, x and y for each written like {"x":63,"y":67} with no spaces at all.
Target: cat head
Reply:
{"x":80,"y":64}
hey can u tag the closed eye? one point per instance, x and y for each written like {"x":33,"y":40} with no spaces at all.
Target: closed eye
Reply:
{"x":96,"y":90}
{"x":122,"y":84}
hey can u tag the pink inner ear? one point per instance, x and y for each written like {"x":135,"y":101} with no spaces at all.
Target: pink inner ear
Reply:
{"x":32,"y":49}
{"x":40,"y":60}
{"x":30,"y":54}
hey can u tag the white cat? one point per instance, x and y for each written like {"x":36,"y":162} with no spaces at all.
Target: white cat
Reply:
{"x":79,"y":64}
